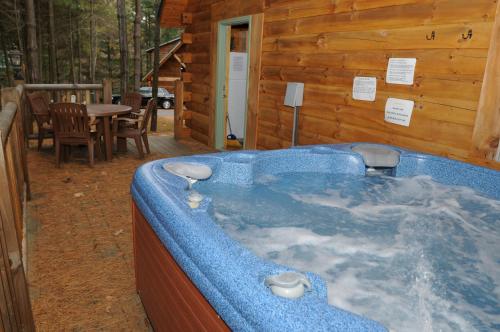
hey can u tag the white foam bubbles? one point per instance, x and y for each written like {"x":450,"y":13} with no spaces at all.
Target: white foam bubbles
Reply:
{"x":411,"y":253}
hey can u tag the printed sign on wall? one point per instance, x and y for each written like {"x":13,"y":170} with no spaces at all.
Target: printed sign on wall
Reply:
{"x":364,"y":88}
{"x":399,"y":111}
{"x":401,"y":71}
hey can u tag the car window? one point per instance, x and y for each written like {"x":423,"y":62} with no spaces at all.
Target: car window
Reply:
{"x":144,"y":89}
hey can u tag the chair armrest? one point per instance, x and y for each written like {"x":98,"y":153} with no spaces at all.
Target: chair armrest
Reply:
{"x":126,"y":120}
{"x":137,"y":121}
{"x":135,"y":115}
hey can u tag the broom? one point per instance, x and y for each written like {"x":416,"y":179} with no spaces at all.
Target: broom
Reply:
{"x":231,"y":139}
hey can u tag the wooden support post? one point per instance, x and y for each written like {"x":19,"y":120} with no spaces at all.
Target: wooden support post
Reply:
{"x":107,"y":91}
{"x":179,"y":109}
{"x":486,"y":135}
{"x":255,"y":54}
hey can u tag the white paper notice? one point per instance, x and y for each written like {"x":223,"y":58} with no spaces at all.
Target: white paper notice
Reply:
{"x":401,"y":71}
{"x":399,"y":111}
{"x":364,"y":88}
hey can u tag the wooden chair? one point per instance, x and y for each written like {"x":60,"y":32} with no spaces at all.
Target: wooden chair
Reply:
{"x":135,"y":128}
{"x":134,"y":100}
{"x":40,"y":109}
{"x":72,"y":126}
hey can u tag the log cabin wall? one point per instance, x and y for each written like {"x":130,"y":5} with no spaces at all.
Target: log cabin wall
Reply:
{"x":326,"y":43}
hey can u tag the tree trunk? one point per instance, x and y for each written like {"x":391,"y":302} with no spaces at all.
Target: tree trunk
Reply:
{"x":32,"y":46}
{"x":93,"y":43}
{"x":39,"y":29}
{"x":156,"y":67}
{"x":71,"y":51}
{"x":78,"y":45}
{"x":137,"y":45}
{"x":8,"y":71}
{"x":110,"y":63}
{"x":148,"y":36}
{"x":122,"y":31}
{"x":52,"y":44}
{"x":20,"y":44}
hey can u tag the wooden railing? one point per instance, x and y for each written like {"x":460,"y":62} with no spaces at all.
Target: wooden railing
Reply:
{"x":15,"y":307}
{"x":88,"y":93}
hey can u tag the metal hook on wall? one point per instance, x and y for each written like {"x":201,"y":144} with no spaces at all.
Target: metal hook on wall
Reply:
{"x":468,"y":36}
{"x":432,"y":37}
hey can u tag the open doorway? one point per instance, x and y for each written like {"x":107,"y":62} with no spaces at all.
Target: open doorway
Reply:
{"x":236,"y":87}
{"x":232,"y":83}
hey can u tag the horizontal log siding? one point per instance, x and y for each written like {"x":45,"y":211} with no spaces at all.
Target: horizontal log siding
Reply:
{"x":326,"y":43}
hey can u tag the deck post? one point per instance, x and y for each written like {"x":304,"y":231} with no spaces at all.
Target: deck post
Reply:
{"x":179,"y":109}
{"x":107,"y":91}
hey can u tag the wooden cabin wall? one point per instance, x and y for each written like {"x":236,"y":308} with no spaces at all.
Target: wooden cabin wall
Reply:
{"x":326,"y":43}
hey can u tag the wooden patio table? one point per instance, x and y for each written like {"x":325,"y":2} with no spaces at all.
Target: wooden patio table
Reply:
{"x":106,"y":111}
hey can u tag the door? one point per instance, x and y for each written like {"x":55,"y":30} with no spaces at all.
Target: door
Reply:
{"x":232,"y":83}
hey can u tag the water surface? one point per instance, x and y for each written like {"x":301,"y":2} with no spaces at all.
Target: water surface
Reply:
{"x":410,"y":253}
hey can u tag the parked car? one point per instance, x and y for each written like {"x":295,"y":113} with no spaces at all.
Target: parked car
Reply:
{"x":165,"y":99}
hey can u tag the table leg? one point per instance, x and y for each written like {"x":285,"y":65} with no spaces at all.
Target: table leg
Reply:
{"x":108,"y":140}
{"x":121,"y":144}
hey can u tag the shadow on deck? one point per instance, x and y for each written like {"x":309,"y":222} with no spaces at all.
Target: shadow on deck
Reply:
{"x":80,"y":260}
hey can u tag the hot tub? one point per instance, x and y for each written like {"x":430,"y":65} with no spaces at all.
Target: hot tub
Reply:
{"x":191,"y":274}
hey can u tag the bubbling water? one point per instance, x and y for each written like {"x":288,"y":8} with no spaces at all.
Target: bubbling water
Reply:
{"x":410,"y":253}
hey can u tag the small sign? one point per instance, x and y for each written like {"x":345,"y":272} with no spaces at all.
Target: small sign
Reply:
{"x":401,"y":71}
{"x":398,"y":111}
{"x":364,"y":88}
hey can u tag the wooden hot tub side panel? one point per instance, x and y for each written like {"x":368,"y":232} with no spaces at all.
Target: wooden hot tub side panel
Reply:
{"x":171,"y":300}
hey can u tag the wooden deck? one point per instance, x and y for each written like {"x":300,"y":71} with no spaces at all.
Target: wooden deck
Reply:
{"x":79,"y":238}
{"x":166,"y":144}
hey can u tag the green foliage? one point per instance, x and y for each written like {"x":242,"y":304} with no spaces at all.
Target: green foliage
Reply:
{"x":78,"y":28}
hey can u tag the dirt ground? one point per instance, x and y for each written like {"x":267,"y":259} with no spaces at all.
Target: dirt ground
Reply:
{"x":80,"y":259}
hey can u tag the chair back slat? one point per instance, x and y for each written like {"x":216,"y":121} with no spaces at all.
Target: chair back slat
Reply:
{"x":70,"y":120}
{"x":147,"y":114}
{"x":134,"y":100}
{"x":39,"y":107}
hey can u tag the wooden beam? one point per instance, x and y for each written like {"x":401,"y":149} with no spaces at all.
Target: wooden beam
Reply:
{"x":255,"y":54}
{"x":168,"y":79}
{"x":107,"y":91}
{"x":213,"y":84}
{"x":55,"y":87}
{"x":187,"y":38}
{"x":486,"y":135}
{"x":187,"y":18}
{"x":179,"y":109}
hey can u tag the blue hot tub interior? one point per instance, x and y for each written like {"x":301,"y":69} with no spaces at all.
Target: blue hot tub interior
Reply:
{"x":232,"y":277}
